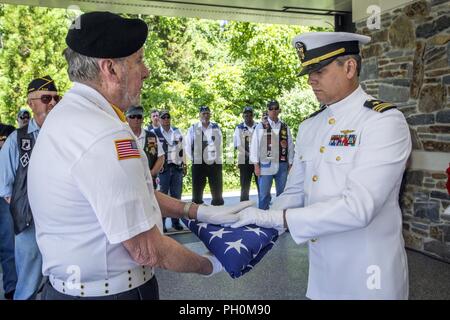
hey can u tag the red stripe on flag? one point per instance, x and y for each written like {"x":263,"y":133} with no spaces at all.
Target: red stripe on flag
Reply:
{"x":127,"y":149}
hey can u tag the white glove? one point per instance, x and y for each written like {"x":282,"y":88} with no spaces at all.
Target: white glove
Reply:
{"x":263,"y":218}
{"x":221,"y":214}
{"x":217,"y":266}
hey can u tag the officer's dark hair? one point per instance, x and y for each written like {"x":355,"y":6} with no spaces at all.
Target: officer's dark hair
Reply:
{"x":340,"y":61}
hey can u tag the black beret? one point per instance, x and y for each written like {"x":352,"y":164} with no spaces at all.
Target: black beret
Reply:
{"x":204,"y":109}
{"x":22,"y":112}
{"x":248,"y":109}
{"x":273,"y":103}
{"x":164,"y":113}
{"x":42,"y":84}
{"x":106,"y":35}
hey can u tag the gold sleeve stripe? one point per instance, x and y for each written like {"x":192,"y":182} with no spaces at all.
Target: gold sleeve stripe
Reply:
{"x":382,"y":106}
{"x":386,"y":108}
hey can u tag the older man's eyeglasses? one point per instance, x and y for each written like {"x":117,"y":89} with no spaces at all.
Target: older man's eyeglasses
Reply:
{"x":136,"y":116}
{"x":47,"y":98}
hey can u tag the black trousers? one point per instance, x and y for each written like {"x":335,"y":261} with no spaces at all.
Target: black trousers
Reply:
{"x":246,"y":173}
{"x":147,"y":291}
{"x":214,"y":174}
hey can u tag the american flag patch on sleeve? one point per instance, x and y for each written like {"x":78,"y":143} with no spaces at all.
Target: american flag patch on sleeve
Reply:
{"x":127,"y":149}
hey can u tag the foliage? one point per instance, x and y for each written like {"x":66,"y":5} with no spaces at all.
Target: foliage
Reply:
{"x":192,"y":62}
{"x":299,"y":104}
{"x":32,"y":43}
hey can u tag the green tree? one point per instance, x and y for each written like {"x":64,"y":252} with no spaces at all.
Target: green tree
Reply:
{"x":32,"y":44}
{"x":192,"y":62}
{"x":297,"y":104}
{"x":269,"y":63}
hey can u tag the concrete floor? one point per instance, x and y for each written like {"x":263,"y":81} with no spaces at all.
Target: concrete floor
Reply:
{"x":429,"y":278}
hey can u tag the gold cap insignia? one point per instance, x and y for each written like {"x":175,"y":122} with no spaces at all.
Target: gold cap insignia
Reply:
{"x":301,"y":48}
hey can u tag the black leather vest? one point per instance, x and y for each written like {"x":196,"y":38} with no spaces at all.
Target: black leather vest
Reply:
{"x":215,"y":139}
{"x":151,"y":148}
{"x":20,"y":206}
{"x":165,"y":146}
{"x":281,"y":138}
{"x":245,"y":137}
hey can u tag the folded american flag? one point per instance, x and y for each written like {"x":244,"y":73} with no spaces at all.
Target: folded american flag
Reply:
{"x":238,"y":249}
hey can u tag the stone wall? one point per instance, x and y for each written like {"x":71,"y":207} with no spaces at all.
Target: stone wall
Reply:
{"x":408,"y":63}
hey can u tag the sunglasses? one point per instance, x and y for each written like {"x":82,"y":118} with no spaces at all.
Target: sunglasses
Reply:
{"x":165,"y":117}
{"x":271,"y":108}
{"x":137,"y":116}
{"x":47,"y":98}
{"x":24,"y":117}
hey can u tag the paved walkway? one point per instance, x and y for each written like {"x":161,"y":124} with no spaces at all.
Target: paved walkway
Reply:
{"x":283,"y":274}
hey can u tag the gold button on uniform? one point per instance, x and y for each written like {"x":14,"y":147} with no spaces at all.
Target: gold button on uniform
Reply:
{"x":332,"y":121}
{"x":315,"y":178}
{"x":322,"y":149}
{"x":338,"y":158}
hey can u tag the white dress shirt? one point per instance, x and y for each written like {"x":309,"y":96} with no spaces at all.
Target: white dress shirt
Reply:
{"x":345,"y":200}
{"x":174,"y":139}
{"x":269,"y":166}
{"x":193,"y":136}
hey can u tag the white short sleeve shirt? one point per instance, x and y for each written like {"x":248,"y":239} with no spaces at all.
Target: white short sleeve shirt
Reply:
{"x":89,"y":188}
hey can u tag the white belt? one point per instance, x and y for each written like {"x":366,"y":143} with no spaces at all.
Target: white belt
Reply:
{"x":125,"y":281}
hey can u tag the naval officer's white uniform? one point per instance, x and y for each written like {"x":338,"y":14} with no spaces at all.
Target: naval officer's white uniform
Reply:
{"x":344,"y":184}
{"x":88,"y":196}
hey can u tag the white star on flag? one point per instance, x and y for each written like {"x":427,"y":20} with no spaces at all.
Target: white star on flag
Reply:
{"x":218,"y":234}
{"x":255,"y":230}
{"x":235,"y":245}
{"x":201,"y":225}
